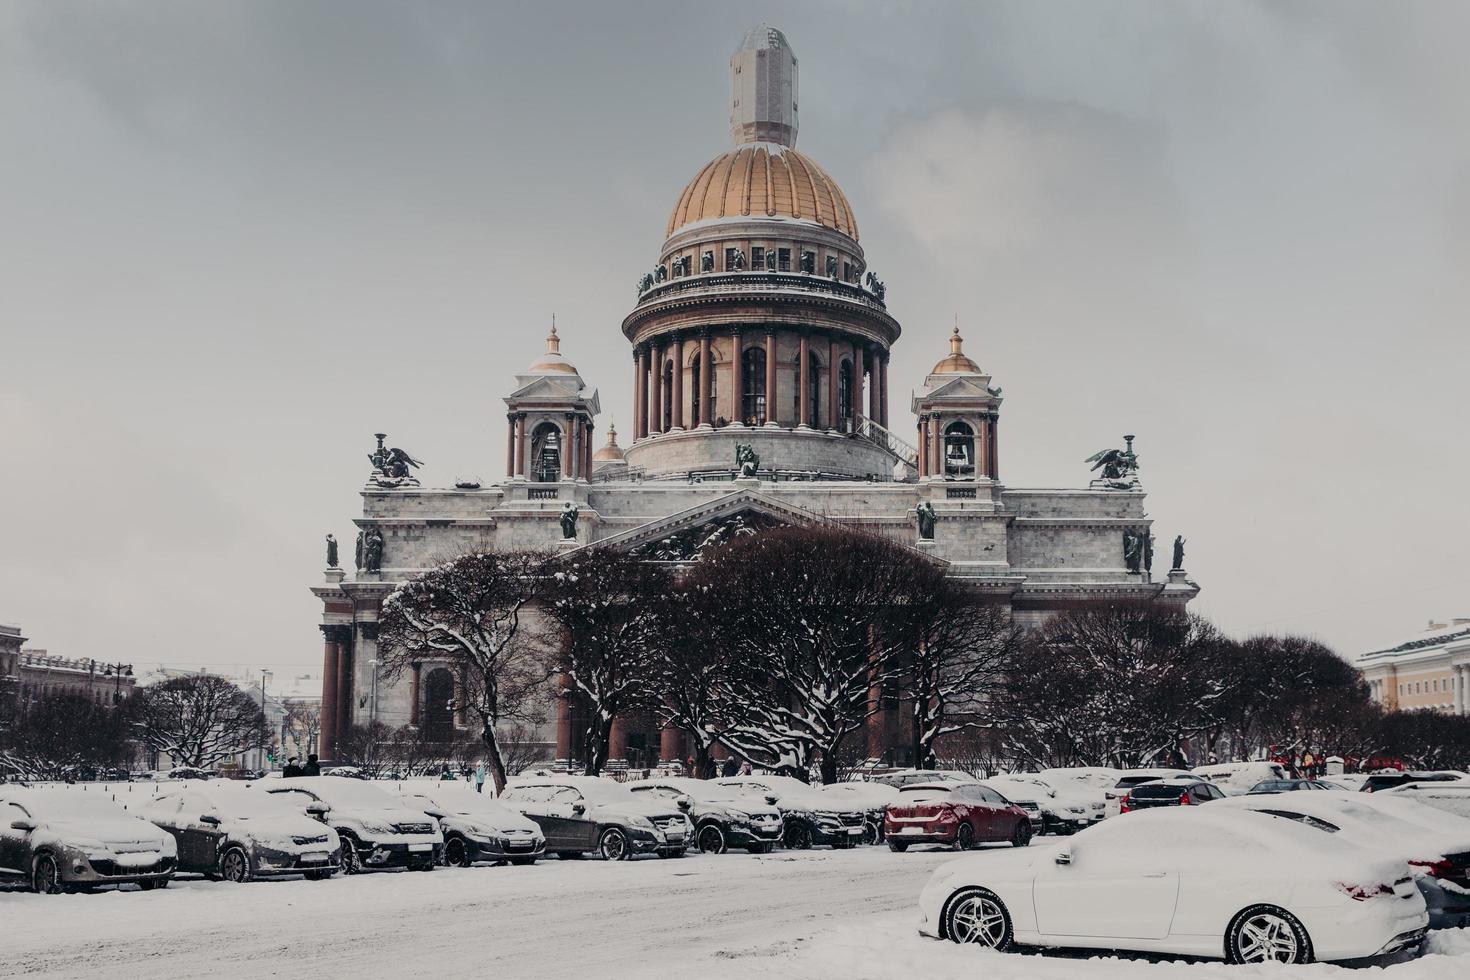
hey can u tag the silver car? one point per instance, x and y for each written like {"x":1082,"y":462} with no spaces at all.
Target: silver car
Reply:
{"x":69,"y":839}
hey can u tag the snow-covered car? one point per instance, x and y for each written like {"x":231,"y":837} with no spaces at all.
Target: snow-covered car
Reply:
{"x":476,"y":827}
{"x":1130,"y":778}
{"x":900,"y":778}
{"x":1235,"y":778}
{"x":577,"y":814}
{"x":809,"y":816}
{"x":1208,"y":881}
{"x":190,"y":772}
{"x":1069,"y":793}
{"x":235,"y":833}
{"x":1100,"y":778}
{"x":958,"y":815}
{"x":1186,"y":790}
{"x":1267,"y":786}
{"x":1452,"y":798}
{"x":873,"y":798}
{"x":1057,"y":812}
{"x":723,"y":816}
{"x":377,"y":829}
{"x":1440,"y":860}
{"x":65,"y":839}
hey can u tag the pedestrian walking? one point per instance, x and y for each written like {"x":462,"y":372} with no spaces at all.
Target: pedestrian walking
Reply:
{"x":312,"y":767}
{"x":293,"y":767}
{"x":480,"y":778}
{"x":730,"y":768}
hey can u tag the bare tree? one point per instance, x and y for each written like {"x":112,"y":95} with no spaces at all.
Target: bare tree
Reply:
{"x":199,"y":719}
{"x":608,"y":606}
{"x":819,"y":617}
{"x":522,"y":750}
{"x":367,"y":747}
{"x":63,"y":733}
{"x":469,"y":614}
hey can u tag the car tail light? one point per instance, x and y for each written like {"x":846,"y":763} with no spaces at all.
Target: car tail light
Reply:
{"x":1437,"y":869}
{"x":1125,"y":805}
{"x":1361,"y":893}
{"x":1184,"y":798}
{"x":947,"y":816}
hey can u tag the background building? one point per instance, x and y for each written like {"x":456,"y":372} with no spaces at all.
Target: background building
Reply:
{"x":1430,"y":670}
{"x":760,"y":347}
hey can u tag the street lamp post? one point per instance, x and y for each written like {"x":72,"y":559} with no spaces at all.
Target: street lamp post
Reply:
{"x":260,"y":761}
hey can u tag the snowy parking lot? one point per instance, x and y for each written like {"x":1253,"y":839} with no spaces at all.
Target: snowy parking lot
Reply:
{"x":821,"y":913}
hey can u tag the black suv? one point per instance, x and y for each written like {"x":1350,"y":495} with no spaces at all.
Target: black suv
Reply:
{"x":1388,"y":780}
{"x":1170,"y":792}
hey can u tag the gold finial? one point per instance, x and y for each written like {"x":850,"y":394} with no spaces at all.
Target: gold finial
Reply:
{"x":955,"y":340}
{"x":553,"y":342}
{"x":612,"y":433}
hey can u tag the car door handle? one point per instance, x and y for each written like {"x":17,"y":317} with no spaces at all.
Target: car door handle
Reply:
{"x":1156,"y":874}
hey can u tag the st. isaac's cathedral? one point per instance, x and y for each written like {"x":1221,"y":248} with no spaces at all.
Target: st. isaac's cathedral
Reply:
{"x":760,"y":345}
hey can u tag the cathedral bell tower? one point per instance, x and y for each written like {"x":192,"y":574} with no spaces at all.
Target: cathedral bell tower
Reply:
{"x":958,"y":419}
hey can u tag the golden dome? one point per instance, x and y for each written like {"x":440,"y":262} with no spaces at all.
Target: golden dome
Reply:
{"x":767,"y":180}
{"x":552,"y":362}
{"x":956,"y":362}
{"x":612,"y":452}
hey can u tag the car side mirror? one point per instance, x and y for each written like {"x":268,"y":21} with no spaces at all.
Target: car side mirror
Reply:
{"x":210,"y":819}
{"x":25,"y":825}
{"x":436,"y":814}
{"x":684,"y":804}
{"x":1063,"y":857}
{"x":579,"y":807}
{"x":318,"y":810}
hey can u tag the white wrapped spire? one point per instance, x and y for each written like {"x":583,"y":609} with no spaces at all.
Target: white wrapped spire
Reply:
{"x":763,"y":89}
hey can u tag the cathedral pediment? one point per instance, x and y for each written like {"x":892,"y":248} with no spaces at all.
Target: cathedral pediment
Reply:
{"x":959,"y":388}
{"x":683,"y":536}
{"x":552,"y":389}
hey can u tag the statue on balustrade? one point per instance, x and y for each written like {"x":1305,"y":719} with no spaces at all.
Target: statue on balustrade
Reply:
{"x":747,"y":460}
{"x":569,"y":514}
{"x":372,"y":551}
{"x":331,"y":551}
{"x":927,"y":517}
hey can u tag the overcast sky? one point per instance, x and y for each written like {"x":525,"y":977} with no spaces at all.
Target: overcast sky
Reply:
{"x":238,"y":238}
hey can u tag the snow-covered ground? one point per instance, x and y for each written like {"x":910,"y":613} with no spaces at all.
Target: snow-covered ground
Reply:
{"x":817,"y":914}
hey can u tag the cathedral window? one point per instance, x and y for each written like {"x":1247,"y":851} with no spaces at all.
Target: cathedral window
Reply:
{"x":831,"y":267}
{"x":546,"y":453}
{"x":783,"y":259}
{"x":813,"y":387}
{"x":757,"y":257}
{"x":753,"y":399}
{"x":808,"y":262}
{"x":844,"y":397}
{"x":666,"y":397}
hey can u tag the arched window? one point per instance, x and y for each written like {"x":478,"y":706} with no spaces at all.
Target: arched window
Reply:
{"x":546,"y":453}
{"x":666,"y":396}
{"x":438,"y":710}
{"x":959,"y":451}
{"x":844,"y":397}
{"x":813,"y":389}
{"x":753,"y":399}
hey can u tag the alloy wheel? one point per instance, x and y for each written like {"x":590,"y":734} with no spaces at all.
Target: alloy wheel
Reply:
{"x":349,"y":859}
{"x":964,"y":839}
{"x":711,"y":839}
{"x":456,"y":854}
{"x":978,"y":917}
{"x":798,"y":836}
{"x":614,"y":845}
{"x":234,"y":866}
{"x":46,"y":876}
{"x":1022,"y":836}
{"x":1267,"y":937}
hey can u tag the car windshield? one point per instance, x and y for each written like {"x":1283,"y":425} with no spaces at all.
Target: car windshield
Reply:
{"x":62,"y":804}
{"x":1274,"y":786}
{"x":598,"y":790}
{"x":244,"y":804}
{"x":1159,"y":791}
{"x":707,"y":792}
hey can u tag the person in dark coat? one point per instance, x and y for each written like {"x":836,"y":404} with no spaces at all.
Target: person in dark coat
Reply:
{"x":730,"y":768}
{"x":293,"y":768}
{"x":312,"y":767}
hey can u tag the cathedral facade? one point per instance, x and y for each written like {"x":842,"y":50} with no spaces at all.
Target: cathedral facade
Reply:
{"x":759,"y":347}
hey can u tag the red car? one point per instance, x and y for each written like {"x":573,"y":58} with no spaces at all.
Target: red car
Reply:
{"x":959,"y":815}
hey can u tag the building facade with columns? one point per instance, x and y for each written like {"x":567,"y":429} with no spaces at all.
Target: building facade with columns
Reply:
{"x":759,"y":346}
{"x":1429,"y":671}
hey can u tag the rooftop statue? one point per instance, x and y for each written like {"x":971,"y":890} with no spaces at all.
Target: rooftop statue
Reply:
{"x":926,"y":515}
{"x":875,"y":286}
{"x":331,"y":551}
{"x":1119,"y":467}
{"x":1133,"y":551}
{"x":1178,"y":552}
{"x":392,"y":467}
{"x":569,"y":513}
{"x":747,"y":460}
{"x":372,"y":550}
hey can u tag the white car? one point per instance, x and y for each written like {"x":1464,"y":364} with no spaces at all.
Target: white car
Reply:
{"x":1071,"y":792}
{"x":1026,"y":795}
{"x":64,"y":839}
{"x":235,"y":832}
{"x":1452,"y":798}
{"x":1210,"y":882}
{"x":1439,"y":858}
{"x":809,"y":815}
{"x":376,"y":828}
{"x":476,"y":827}
{"x":900,"y":778}
{"x":1099,"y":778}
{"x":1063,"y":811}
{"x":872,"y":798}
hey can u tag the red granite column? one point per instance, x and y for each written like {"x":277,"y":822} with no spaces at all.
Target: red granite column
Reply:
{"x":564,"y":720}
{"x":510,"y":446}
{"x":737,"y":378}
{"x":327,"y":738}
{"x":677,"y":416}
{"x":640,"y":401}
{"x":706,"y":379}
{"x":520,"y":444}
{"x":568,"y":451}
{"x":855,"y":396}
{"x":587,"y":428}
{"x":875,"y":388}
{"x":656,"y":406}
{"x":981,"y":449}
{"x":772,"y":402}
{"x":883,"y":382}
{"x":923,"y":453}
{"x":803,"y":382}
{"x":670,"y":745}
{"x":617,"y":741}
{"x":413,"y":707}
{"x":832,"y":384}
{"x":995,"y":449}
{"x":344,"y":689}
{"x":936,"y":442}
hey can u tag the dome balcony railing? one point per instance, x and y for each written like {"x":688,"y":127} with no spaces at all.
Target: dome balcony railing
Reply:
{"x":738,"y":282}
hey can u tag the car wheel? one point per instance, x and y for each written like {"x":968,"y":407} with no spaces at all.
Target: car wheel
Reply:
{"x":1022,"y":834}
{"x":964,"y":838}
{"x":798,"y":836}
{"x":977,"y":915}
{"x":871,"y":834}
{"x":234,"y":865}
{"x":148,"y":886}
{"x":349,"y":862}
{"x":711,"y":839}
{"x":1267,"y":934}
{"x":456,"y":853}
{"x":898,"y":845}
{"x":613,"y":845}
{"x":46,"y":876}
